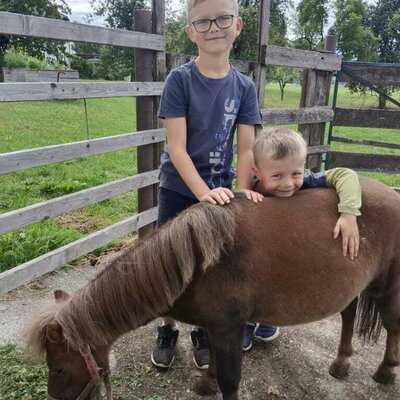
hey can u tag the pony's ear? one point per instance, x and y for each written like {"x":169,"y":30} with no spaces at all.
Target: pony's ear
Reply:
{"x":61,"y":295}
{"x":54,"y":333}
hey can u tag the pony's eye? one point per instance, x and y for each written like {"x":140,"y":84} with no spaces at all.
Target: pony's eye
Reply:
{"x":57,"y":371}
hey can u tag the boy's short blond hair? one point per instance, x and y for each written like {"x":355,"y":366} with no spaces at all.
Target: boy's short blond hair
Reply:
{"x":190,"y":4}
{"x":278,"y":143}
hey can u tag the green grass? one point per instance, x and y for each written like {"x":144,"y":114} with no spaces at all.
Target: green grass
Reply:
{"x":27,"y":125}
{"x":23,"y":380}
{"x":19,"y":380}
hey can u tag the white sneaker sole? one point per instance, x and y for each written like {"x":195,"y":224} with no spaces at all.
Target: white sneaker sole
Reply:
{"x":270,"y":338}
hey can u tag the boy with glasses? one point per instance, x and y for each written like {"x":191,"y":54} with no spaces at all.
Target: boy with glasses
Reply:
{"x":203,"y":103}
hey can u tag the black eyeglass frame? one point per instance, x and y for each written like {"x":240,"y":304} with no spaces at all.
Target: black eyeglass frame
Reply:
{"x":210,"y":21}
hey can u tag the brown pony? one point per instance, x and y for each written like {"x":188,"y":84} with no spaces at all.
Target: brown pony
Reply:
{"x":218,"y":267}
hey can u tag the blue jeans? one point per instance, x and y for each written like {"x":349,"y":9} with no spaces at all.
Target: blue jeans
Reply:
{"x":170,"y":204}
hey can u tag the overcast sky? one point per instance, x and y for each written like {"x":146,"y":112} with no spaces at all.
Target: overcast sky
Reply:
{"x":80,"y":8}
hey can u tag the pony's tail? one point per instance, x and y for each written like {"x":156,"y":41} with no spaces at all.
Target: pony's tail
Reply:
{"x":368,"y":320}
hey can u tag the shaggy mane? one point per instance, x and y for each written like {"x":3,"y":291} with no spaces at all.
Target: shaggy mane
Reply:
{"x":145,"y":279}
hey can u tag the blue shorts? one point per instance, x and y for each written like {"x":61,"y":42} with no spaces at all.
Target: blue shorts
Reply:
{"x":170,"y":204}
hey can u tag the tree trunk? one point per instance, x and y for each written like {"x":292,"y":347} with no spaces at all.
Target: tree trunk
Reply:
{"x":4,"y":40}
{"x":2,"y":54}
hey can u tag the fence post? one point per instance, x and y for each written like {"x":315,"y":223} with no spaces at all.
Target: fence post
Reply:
{"x":315,"y":92}
{"x":144,"y":67}
{"x":263,"y":35}
{"x":158,"y":7}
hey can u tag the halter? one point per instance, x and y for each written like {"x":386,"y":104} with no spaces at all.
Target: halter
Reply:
{"x":97,"y":375}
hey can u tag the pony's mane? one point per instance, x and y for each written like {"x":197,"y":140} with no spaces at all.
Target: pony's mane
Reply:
{"x":143,"y":282}
{"x":34,"y":331}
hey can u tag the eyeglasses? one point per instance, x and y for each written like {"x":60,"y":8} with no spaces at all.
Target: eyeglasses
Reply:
{"x":204,"y":25}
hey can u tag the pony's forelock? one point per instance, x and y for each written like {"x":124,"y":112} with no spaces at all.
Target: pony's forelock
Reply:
{"x":34,"y":332}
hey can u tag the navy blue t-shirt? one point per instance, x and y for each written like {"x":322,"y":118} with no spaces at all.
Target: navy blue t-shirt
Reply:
{"x":212,"y":108}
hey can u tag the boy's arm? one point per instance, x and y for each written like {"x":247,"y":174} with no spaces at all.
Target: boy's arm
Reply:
{"x":348,"y":188}
{"x":245,"y":161}
{"x":176,"y":137}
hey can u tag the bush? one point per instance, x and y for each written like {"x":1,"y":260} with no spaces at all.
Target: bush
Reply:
{"x":35,"y":63}
{"x":15,"y":59}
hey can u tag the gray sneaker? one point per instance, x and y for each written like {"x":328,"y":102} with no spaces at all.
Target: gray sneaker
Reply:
{"x":200,"y":348}
{"x":163,"y":354}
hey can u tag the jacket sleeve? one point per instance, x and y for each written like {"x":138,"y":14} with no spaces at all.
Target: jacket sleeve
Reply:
{"x":347,"y":186}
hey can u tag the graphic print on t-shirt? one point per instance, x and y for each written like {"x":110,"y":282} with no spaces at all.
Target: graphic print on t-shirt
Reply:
{"x":218,"y":157}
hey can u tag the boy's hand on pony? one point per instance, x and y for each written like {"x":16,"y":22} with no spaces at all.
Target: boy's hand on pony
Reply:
{"x":219,"y":195}
{"x":251,"y":195}
{"x":347,"y":226}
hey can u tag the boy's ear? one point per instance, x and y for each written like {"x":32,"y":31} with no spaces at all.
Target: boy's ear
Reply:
{"x":255,"y":171}
{"x":189,"y":32}
{"x":239,"y":25}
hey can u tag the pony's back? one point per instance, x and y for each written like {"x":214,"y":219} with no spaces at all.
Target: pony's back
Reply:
{"x":286,"y":264}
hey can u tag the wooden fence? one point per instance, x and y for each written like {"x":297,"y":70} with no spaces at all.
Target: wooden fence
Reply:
{"x":373,"y":76}
{"x":149,"y":42}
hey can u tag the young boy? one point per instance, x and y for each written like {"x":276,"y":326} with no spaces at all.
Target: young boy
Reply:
{"x":203,"y":102}
{"x":279,"y":157}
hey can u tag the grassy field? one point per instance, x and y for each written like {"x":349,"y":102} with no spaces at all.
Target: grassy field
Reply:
{"x":36,"y":124}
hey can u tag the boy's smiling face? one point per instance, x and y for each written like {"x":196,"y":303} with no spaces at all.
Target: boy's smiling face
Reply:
{"x":280,"y":178}
{"x":215,"y":40}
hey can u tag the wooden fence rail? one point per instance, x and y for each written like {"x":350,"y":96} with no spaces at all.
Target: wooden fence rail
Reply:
{"x":76,"y":90}
{"x":17,"y":219}
{"x":33,"y":269}
{"x":47,"y":28}
{"x":19,"y":160}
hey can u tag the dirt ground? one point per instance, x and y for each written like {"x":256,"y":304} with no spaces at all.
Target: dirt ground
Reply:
{"x":294,"y":366}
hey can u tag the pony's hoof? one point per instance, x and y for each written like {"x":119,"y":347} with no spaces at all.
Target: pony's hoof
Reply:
{"x":205,"y":387}
{"x":339,"y":371}
{"x":384,"y":378}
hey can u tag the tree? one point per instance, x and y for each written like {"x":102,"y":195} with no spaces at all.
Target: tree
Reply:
{"x":384,"y":21}
{"x":284,"y":75}
{"x":117,"y":14}
{"x":57,"y":9}
{"x":312,"y":19}
{"x":355,"y":40}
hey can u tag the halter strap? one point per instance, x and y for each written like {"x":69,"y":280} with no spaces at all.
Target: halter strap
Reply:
{"x":97,"y":376}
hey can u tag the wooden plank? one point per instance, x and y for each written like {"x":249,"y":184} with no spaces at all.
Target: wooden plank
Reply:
{"x":33,"y":269}
{"x":367,"y":118}
{"x":375,"y":74}
{"x":145,"y":118}
{"x":47,"y":28}
{"x":315,"y":93}
{"x":319,"y":60}
{"x":17,"y":219}
{"x":365,"y":162}
{"x":78,"y":90}
{"x":366,"y":142}
{"x":305,"y":115}
{"x":323,"y":148}
{"x":19,"y":160}
{"x":29,"y":75}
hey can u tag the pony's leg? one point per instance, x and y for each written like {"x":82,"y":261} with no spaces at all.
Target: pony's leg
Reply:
{"x":208,"y":385}
{"x":340,"y":366}
{"x":227,"y":342}
{"x":389,"y":310}
{"x":386,"y":370}
{"x":229,"y":367}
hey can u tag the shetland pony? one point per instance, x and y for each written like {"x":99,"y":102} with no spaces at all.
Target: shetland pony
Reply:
{"x":220,"y":266}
